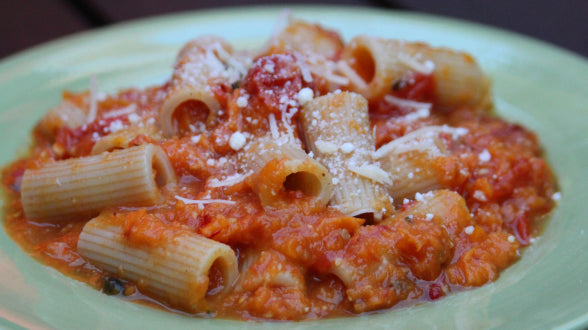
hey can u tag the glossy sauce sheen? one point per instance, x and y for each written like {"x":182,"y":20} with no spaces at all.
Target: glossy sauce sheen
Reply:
{"x":404,"y":260}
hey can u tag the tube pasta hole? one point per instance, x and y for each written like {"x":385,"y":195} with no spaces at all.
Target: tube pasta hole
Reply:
{"x":190,"y":117}
{"x":159,"y":172}
{"x":216,"y":279}
{"x":368,"y":217}
{"x":305,"y":182}
{"x":363,"y":63}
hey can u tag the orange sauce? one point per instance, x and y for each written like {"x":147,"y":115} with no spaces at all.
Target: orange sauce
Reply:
{"x":406,"y":261}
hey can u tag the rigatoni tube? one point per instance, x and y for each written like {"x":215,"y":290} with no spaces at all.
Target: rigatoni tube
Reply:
{"x":82,"y":187}
{"x":305,"y":38}
{"x":445,"y":207}
{"x":122,"y":139}
{"x":176,"y":266}
{"x":191,"y":103}
{"x":281,"y":169}
{"x":375,"y":64}
{"x":337,"y":130}
{"x":65,"y":114}
{"x":411,"y":160}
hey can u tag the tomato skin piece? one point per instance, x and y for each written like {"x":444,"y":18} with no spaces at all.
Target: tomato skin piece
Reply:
{"x":435,"y":291}
{"x":271,"y":80}
{"x":522,"y":229}
{"x":418,"y":87}
{"x":78,"y":142}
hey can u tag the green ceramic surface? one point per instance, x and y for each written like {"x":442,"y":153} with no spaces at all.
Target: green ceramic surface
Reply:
{"x":535,"y":84}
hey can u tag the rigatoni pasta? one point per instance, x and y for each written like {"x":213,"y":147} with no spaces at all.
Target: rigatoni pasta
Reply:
{"x":124,"y":138}
{"x":318,"y":178}
{"x":191,"y":101}
{"x":84,"y":186}
{"x":175,"y":268}
{"x":302,"y":37}
{"x":65,"y":114}
{"x":377,"y":65}
{"x":282,"y":168}
{"x":337,"y":131}
{"x":410,"y":160}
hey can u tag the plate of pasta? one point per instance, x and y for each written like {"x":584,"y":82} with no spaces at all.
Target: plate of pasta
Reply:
{"x":339,"y":168}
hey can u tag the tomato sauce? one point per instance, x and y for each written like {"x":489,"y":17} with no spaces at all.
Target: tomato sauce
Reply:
{"x":286,"y":256}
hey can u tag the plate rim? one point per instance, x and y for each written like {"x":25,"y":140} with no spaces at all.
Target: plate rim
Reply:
{"x":582,"y":320}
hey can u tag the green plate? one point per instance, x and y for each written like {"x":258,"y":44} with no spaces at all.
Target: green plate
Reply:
{"x":535,"y":84}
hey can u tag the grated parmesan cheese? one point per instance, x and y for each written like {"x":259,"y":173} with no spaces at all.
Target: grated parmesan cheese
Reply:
{"x":237,"y":141}
{"x":422,"y":139}
{"x":306,"y":75}
{"x":347,"y":148}
{"x":116,"y":126}
{"x":469,"y":230}
{"x":273,"y":126}
{"x":372,"y":172}
{"x":403,"y":103}
{"x":305,"y":95}
{"x":230,"y":180}
{"x":93,"y":100}
{"x":479,"y":195}
{"x":426,"y":68}
{"x":201,"y":202}
{"x":419,"y":114}
{"x":282,"y":22}
{"x":269,"y":67}
{"x":128,"y":110}
{"x":326,"y":147}
{"x":330,"y":76}
{"x":195,"y":138}
{"x":484,"y":156}
{"x":134,"y":118}
{"x":353,"y":77}
{"x":242,"y":101}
